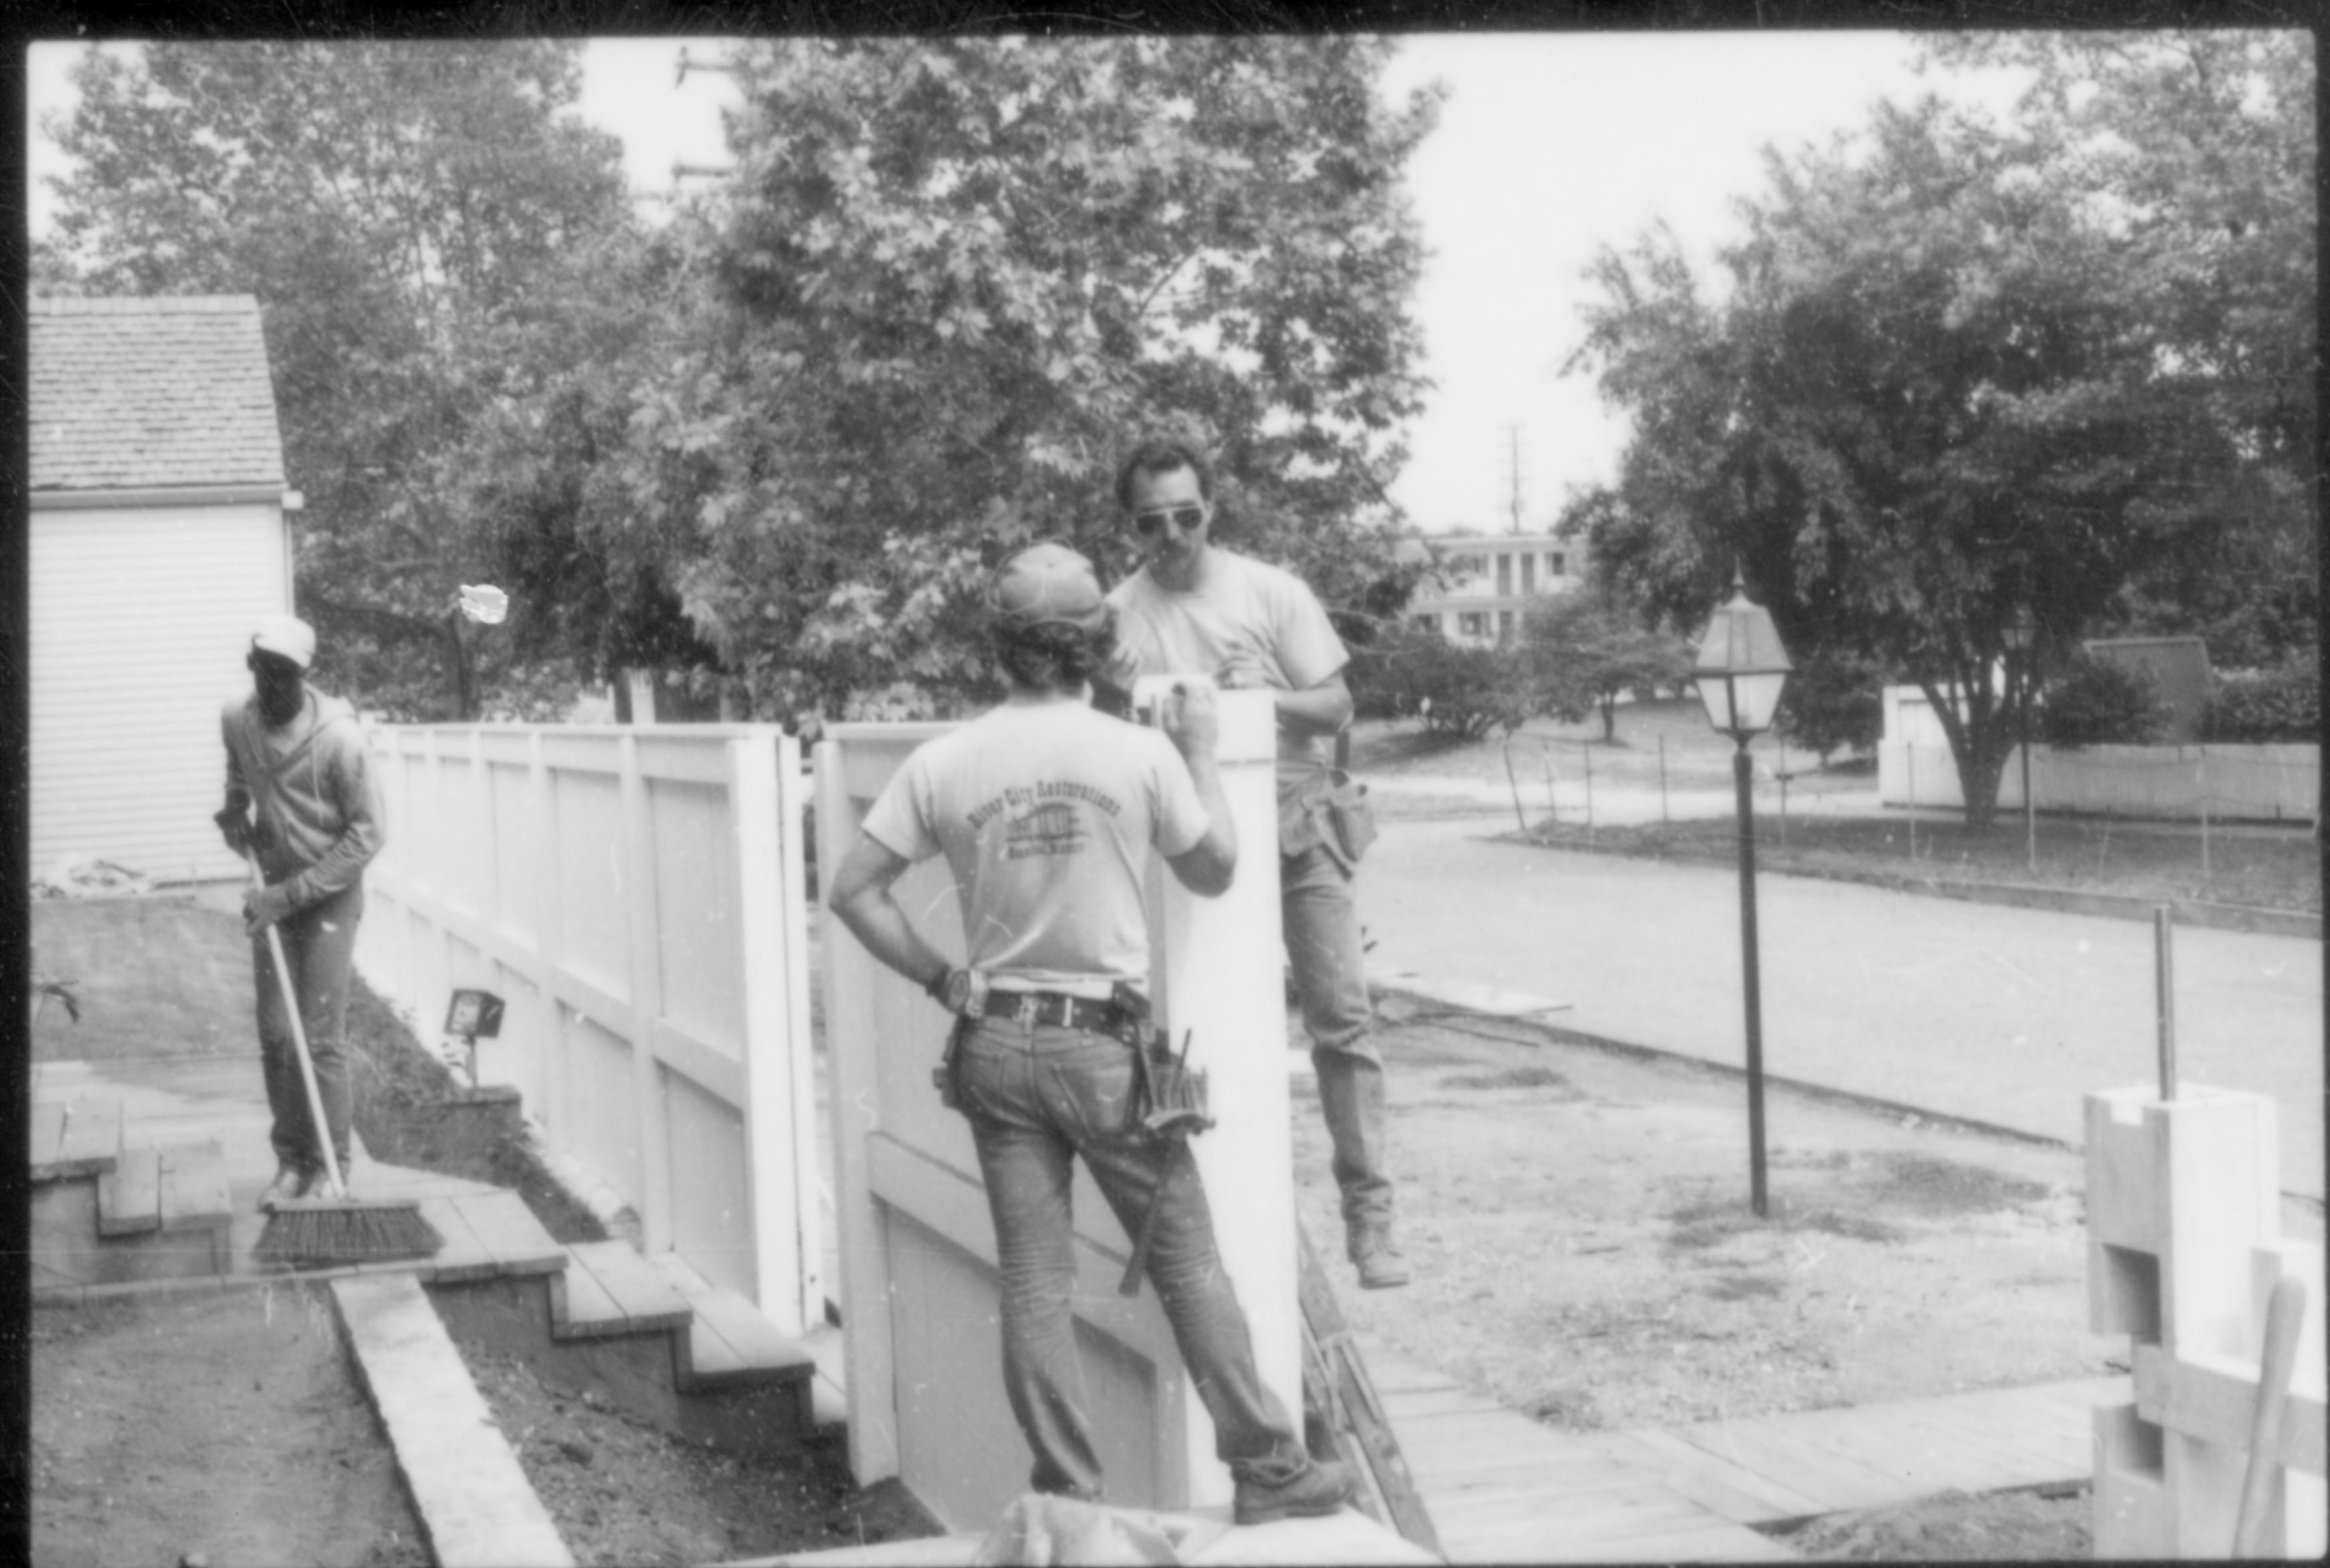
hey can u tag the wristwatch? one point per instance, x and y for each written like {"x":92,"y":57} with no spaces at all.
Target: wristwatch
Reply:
{"x":951,"y":988}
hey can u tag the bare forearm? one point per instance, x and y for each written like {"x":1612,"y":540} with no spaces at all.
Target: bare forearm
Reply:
{"x":1319,"y":711}
{"x":882,"y":928}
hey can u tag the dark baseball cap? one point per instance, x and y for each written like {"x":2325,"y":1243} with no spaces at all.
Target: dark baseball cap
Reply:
{"x":1047,"y":583}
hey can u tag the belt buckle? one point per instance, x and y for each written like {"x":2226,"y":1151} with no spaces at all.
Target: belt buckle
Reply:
{"x":1030,"y":1011}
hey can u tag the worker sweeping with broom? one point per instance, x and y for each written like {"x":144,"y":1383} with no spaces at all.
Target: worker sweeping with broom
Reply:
{"x":302,"y":811}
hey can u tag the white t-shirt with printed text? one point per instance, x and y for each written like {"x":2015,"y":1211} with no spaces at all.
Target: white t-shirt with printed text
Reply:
{"x":1245,"y":604}
{"x":1045,"y":813}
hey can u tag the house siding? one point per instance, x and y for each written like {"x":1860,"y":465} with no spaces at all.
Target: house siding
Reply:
{"x":138,"y":629}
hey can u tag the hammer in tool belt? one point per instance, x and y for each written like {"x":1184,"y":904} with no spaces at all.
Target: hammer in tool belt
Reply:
{"x":1174,"y":1101}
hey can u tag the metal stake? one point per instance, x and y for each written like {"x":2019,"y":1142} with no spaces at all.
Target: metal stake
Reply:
{"x":1740,"y":765}
{"x":2165,"y":988}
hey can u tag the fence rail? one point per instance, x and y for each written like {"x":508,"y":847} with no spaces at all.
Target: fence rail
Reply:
{"x":634,"y":894}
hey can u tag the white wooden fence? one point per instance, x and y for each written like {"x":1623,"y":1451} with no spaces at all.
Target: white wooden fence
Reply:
{"x":2225,"y":783}
{"x":635,"y":895}
{"x":2261,"y":783}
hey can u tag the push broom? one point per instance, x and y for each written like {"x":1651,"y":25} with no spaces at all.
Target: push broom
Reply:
{"x":336,"y":1229}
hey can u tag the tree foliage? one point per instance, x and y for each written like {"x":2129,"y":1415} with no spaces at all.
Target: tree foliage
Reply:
{"x":2100,"y":702}
{"x":2265,"y":706}
{"x":1834,"y":702}
{"x":1582,"y":653}
{"x":430,"y":237}
{"x":1453,"y":690}
{"x":951,"y":279}
{"x":1961,"y":368}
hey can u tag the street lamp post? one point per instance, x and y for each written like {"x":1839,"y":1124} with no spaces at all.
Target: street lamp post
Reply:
{"x":1741,"y":668}
{"x":2020,"y":635}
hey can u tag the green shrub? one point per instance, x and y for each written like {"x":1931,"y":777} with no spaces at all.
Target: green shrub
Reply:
{"x":2096,"y":701}
{"x":1834,"y":702}
{"x":1454,"y":690}
{"x":2280,"y":704}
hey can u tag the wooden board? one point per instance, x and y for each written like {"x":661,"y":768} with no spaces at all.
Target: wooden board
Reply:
{"x":1336,"y":1385}
{"x":611,"y":1289}
{"x":1730,"y":1491}
{"x":129,"y":1196}
{"x":472,"y":1496}
{"x":509,"y":1232}
{"x":729,"y":1343}
{"x":193,"y":1195}
{"x":463,"y":1256}
{"x":75,"y":1138}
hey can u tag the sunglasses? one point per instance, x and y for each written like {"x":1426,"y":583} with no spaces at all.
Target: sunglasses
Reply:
{"x":1185,"y":518}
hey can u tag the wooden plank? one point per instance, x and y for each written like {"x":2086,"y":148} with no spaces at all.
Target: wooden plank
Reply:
{"x":463,"y":1256}
{"x":1730,"y":1491}
{"x":472,"y":1496}
{"x":580,"y":1306}
{"x":1350,"y":1404}
{"x":643,"y":1297}
{"x":2214,"y":1398}
{"x":1433,"y":1404}
{"x":47,"y":1136}
{"x":507,"y":1229}
{"x":193,"y":1195}
{"x":1771,"y":1448}
{"x":730,"y":1341}
{"x":129,"y":1196}
{"x":90,"y":1138}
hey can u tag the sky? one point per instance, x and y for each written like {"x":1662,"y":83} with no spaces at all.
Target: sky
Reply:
{"x":1549,"y":147}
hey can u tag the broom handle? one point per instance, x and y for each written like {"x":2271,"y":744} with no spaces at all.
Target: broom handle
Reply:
{"x":299,"y":1038}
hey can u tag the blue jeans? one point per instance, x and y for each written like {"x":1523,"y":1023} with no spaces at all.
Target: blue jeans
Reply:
{"x":319,"y":944}
{"x":1038,"y":1096}
{"x":1321,"y":924}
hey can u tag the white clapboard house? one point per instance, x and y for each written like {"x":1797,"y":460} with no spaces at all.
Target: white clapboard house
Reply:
{"x":158,"y":538}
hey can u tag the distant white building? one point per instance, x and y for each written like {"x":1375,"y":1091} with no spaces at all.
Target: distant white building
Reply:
{"x":157,"y":540}
{"x":1491,"y":579}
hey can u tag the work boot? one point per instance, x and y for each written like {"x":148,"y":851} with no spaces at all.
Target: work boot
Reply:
{"x":1322,"y":1487}
{"x":1370,"y":1248}
{"x":290,"y":1182}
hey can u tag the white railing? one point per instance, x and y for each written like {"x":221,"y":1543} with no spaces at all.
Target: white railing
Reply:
{"x":635,"y":895}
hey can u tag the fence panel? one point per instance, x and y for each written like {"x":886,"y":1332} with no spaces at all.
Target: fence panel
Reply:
{"x":634,"y":896}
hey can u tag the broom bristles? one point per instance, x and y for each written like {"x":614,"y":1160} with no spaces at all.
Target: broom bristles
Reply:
{"x":344,"y":1231}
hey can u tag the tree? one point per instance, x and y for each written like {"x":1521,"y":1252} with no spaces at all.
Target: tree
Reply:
{"x":2206,"y":143}
{"x":1833,"y":701}
{"x":951,"y":278}
{"x":1582,"y":653}
{"x":1940,"y":390}
{"x":420,"y":222}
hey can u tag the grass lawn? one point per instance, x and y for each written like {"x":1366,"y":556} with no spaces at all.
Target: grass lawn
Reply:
{"x":1671,"y":733}
{"x":2257,"y":869}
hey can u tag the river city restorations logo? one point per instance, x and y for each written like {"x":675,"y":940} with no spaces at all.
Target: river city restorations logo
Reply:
{"x":1044,"y":820}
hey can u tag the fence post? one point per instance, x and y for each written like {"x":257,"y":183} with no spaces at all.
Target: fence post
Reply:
{"x":1664,"y":820}
{"x":1909,"y":749}
{"x":1589,"y":793}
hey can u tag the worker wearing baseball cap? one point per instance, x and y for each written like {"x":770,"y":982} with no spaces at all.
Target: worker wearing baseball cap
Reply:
{"x":1046,"y":811}
{"x":300,"y":798}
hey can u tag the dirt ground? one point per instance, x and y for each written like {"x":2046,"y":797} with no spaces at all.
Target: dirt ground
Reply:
{"x":220,"y":1427}
{"x":1578,"y":1221}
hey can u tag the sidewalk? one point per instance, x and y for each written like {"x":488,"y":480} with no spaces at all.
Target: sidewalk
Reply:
{"x":1999,"y":1015}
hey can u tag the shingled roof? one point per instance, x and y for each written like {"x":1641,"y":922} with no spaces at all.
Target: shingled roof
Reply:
{"x":132,"y":394}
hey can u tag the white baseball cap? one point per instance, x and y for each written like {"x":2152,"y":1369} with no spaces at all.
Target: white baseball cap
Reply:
{"x":1049,"y":582}
{"x":287,"y":636}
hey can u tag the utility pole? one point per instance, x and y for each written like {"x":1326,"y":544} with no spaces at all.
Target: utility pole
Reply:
{"x":1515,"y":433}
